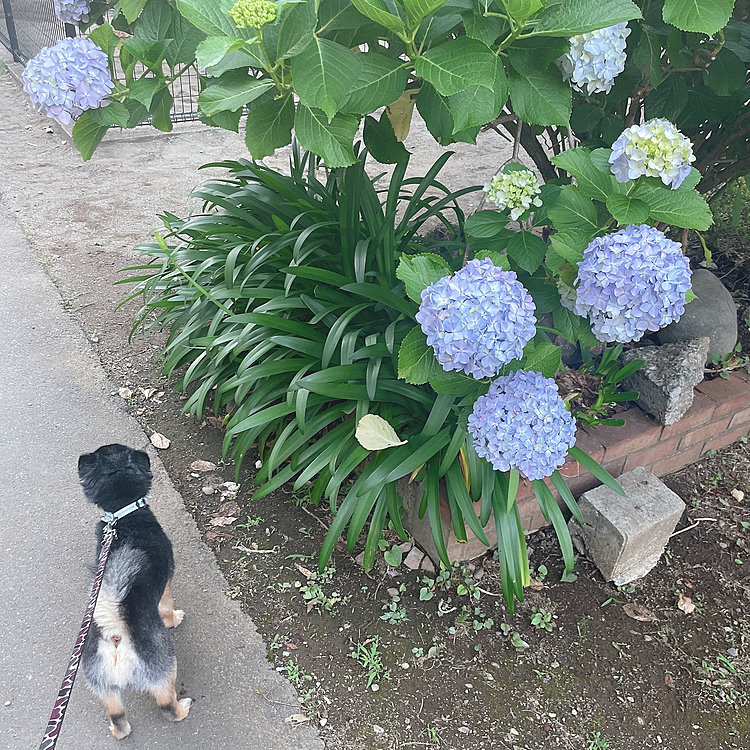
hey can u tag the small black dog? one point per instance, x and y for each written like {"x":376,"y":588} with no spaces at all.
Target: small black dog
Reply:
{"x":128,"y":646}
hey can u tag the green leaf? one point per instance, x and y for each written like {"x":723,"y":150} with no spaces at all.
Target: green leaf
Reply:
{"x":627,"y":209}
{"x":419,"y":271}
{"x":132,"y":8}
{"x":457,"y":64}
{"x":212,"y":16}
{"x":572,"y":210}
{"x":393,"y":556}
{"x":381,"y":141}
{"x":668,"y":100}
{"x":161,"y":109}
{"x":210,"y":52}
{"x":726,"y":74}
{"x":529,"y":56}
{"x":269,"y":126}
{"x":381,"y":81}
{"x":487,"y":224}
{"x":296,"y":29}
{"x":478,"y":105}
{"x":154,"y":21}
{"x":572,"y":17}
{"x":113,"y":114}
{"x":705,"y":16}
{"x":485,"y":29}
{"x":453,"y":383}
{"x":527,"y":250}
{"x":541,"y":99}
{"x":591,"y":181}
{"x":416,"y":360}
{"x":593,"y":467}
{"x":545,"y":358}
{"x":232,"y":94}
{"x":87,"y":135}
{"x":418,"y":10}
{"x":377,"y":10}
{"x":497,"y":259}
{"x":570,"y":244}
{"x":144,"y":89}
{"x":682,"y":208}
{"x":647,"y":56}
{"x":104,"y":37}
{"x":323,"y":74}
{"x":330,"y":139}
{"x":185,"y":40}
{"x":600,"y":159}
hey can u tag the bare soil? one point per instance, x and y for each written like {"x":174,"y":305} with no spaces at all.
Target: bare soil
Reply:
{"x":613,"y":668}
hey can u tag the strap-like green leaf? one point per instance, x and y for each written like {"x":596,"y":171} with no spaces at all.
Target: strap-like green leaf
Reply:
{"x":596,"y":469}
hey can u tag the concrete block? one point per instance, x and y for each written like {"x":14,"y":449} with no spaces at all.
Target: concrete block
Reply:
{"x":626,"y":536}
{"x":665,"y":382}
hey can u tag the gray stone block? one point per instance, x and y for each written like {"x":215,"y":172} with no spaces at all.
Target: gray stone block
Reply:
{"x":665,"y":382}
{"x":626,"y":536}
{"x":712,"y":314}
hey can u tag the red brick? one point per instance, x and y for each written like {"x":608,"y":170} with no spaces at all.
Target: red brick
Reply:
{"x":525,"y":490}
{"x":663,"y":449}
{"x":638,"y":432}
{"x":583,"y":483}
{"x":741,"y":417}
{"x":699,"y":413}
{"x":704,"y":433}
{"x":729,"y":395}
{"x":615,"y":468}
{"x":589,"y":444}
{"x":721,"y":441}
{"x":531,"y":517}
{"x":677,"y":461}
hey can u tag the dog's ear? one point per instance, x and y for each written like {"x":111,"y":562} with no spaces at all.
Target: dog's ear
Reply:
{"x":141,"y":460}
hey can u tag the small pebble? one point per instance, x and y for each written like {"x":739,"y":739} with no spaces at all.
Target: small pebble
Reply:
{"x":377,"y":729}
{"x":463,"y":730}
{"x":208,"y":490}
{"x":7,"y":703}
{"x":374,"y":687}
{"x":323,"y":721}
{"x":405,"y":665}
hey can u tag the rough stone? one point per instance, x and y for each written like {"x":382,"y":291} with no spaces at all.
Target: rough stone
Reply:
{"x":414,"y":558}
{"x":626,"y":536}
{"x":712,"y":314}
{"x":665,"y":382}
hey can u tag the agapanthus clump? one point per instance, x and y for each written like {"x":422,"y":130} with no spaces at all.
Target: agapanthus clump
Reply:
{"x":654,"y":149}
{"x":67,"y":79}
{"x":478,"y":319}
{"x":253,"y":13}
{"x":630,"y":282}
{"x":72,"y":11}
{"x":595,"y":59}
{"x":517,"y":190}
{"x":522,"y":423}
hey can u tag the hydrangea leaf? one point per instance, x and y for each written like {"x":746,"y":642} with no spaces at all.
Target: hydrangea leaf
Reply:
{"x":485,"y":29}
{"x":581,"y":16}
{"x":570,"y":244}
{"x":185,"y":40}
{"x":380,"y":82}
{"x":113,"y":114}
{"x":331,"y":139}
{"x":439,"y":120}
{"x":455,"y":384}
{"x":545,"y":358}
{"x":416,"y":360}
{"x":668,"y":100}
{"x":600,"y":159}
{"x":418,"y":10}
{"x":269,"y":126}
{"x":154,"y":22}
{"x":498,"y":259}
{"x":211,"y":51}
{"x":295,"y":29}
{"x":161,"y":108}
{"x":529,"y":56}
{"x":627,"y":209}
{"x":691,"y":180}
{"x":87,"y":135}
{"x":132,"y":8}
{"x":419,"y":271}
{"x":726,"y":74}
{"x":323,"y":74}
{"x":457,"y":64}
{"x":232,"y":94}
{"x":212,"y":17}
{"x":478,"y":105}
{"x":376,"y":10}
{"x":487,"y":224}
{"x":647,"y":56}
{"x":572,"y":210}
{"x":144,"y":89}
{"x":540,"y":99}
{"x":705,"y":16}
{"x":376,"y":434}
{"x":591,"y":181}
{"x":105,"y":38}
{"x":681,"y":208}
{"x":381,"y":141}
{"x":527,"y":250}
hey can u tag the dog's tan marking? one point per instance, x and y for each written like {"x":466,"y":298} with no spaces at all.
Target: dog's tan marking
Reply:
{"x":166,"y":699}
{"x":170,"y":616}
{"x":118,"y":724}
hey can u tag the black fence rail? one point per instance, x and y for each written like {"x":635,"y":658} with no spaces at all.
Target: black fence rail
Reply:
{"x":26,"y":26}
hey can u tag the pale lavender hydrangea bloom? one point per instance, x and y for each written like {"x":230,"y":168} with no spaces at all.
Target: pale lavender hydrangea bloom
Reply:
{"x":72,"y":11}
{"x":630,"y":282}
{"x":517,"y":190}
{"x":522,"y":423}
{"x":67,"y":79}
{"x":595,"y":59}
{"x":478,"y":319}
{"x":655,"y":149}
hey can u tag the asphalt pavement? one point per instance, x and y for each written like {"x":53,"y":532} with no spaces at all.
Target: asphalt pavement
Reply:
{"x":58,"y":404}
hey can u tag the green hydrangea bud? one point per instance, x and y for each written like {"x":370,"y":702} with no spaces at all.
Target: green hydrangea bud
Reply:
{"x":516,"y":190}
{"x":253,"y":13}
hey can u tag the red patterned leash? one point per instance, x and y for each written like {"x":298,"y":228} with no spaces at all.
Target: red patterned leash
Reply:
{"x":61,"y":704}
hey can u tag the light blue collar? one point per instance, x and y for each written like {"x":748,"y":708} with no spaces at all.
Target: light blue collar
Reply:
{"x":111,"y":519}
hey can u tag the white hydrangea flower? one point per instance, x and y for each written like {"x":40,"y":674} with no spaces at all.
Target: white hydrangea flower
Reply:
{"x":655,"y":149}
{"x":517,"y":190}
{"x":595,"y":59}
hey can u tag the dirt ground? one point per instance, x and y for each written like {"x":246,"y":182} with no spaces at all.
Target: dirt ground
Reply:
{"x":398,"y":658}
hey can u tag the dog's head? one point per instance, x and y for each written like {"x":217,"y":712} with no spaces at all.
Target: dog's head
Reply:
{"x":114,"y":476}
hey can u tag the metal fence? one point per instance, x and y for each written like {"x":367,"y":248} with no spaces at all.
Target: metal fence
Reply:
{"x":28,"y":25}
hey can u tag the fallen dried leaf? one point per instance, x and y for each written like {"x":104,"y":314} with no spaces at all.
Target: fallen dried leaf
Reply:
{"x":638,"y":612}
{"x":738,"y":495}
{"x":685,"y":603}
{"x":147,"y":392}
{"x":212,"y":534}
{"x":291,"y":646}
{"x":159,"y":441}
{"x":201,"y":465}
{"x":297,"y":719}
{"x":215,"y":422}
{"x":125,"y":393}
{"x":222,"y":521}
{"x":535,"y":585}
{"x":305,"y":572}
{"x":669,"y":681}
{"x":229,"y":508}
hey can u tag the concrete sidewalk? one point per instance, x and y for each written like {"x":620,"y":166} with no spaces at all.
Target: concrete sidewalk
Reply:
{"x":58,"y":404}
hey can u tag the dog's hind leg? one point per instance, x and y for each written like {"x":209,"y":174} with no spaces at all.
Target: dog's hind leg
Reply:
{"x":166,"y":699}
{"x":118,"y":724}
{"x":170,"y":616}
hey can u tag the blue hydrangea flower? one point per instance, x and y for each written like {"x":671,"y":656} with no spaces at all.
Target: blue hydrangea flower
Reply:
{"x":72,"y":11}
{"x":595,"y":59}
{"x":630,"y":282}
{"x":478,"y":319}
{"x":522,"y":423}
{"x":655,"y":149}
{"x":67,"y":79}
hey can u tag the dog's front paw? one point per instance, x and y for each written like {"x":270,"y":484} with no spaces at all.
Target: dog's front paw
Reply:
{"x":120,"y":728}
{"x":172,"y":619}
{"x":184,"y":704}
